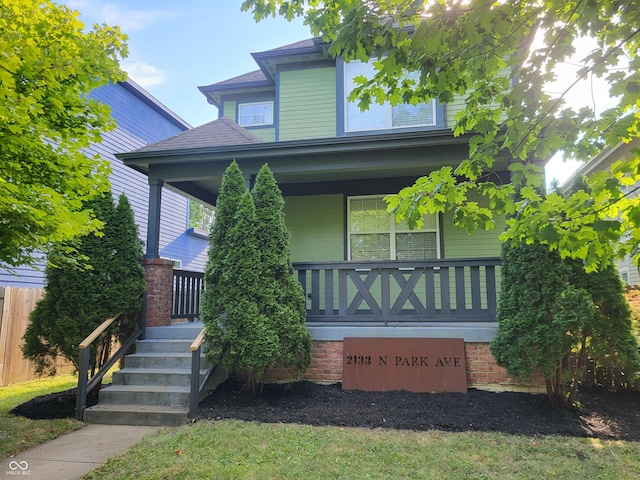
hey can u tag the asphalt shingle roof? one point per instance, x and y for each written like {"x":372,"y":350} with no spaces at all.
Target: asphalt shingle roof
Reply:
{"x":251,"y":77}
{"x":222,"y":131}
{"x":306,"y":43}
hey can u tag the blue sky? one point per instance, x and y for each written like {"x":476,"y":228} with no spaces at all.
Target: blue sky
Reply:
{"x":177,"y":45}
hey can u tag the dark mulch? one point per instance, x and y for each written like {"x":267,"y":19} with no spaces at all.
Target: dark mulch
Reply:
{"x":52,"y":406}
{"x":602,"y":414}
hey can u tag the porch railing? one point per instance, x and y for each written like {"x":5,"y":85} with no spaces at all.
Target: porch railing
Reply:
{"x":187,"y":292}
{"x":430,"y":290}
{"x":86,"y":384}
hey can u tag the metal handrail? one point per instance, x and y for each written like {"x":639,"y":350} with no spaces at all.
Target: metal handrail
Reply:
{"x":96,"y":333}
{"x":86,"y":385}
{"x":196,"y":386}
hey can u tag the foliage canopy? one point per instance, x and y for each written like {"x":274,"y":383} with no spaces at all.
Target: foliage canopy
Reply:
{"x":76,"y":300}
{"x":480,"y":50}
{"x":48,"y":66}
{"x":553,"y":316}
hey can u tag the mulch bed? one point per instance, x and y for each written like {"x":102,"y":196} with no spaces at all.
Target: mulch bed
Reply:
{"x":601,"y":414}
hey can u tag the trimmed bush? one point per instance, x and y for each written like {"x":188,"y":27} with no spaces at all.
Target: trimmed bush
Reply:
{"x":283,"y":300}
{"x":107,"y":280}
{"x":243,"y":340}
{"x":231,"y":190}
{"x":255,"y":315}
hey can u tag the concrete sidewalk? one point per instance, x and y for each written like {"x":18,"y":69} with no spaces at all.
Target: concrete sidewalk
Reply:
{"x":74,"y":454}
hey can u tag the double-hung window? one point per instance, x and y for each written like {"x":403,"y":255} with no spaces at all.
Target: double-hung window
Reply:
{"x":385,"y":116}
{"x":255,"y":114}
{"x":374,"y":234}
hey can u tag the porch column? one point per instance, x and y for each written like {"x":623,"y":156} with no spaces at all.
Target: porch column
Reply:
{"x":158,"y":272}
{"x":153,"y":227}
{"x":249,"y":180}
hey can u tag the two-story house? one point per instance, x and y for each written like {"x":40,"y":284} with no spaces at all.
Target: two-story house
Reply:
{"x":364,"y":274}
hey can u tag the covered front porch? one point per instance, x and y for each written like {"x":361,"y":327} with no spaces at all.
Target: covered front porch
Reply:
{"x":436,"y":293}
{"x":451,"y":280}
{"x":363,"y":274}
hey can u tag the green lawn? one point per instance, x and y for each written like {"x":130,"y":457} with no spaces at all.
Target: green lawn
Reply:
{"x":245,"y":450}
{"x":234,"y":449}
{"x":19,"y":433}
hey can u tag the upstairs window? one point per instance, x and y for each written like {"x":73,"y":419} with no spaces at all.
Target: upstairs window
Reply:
{"x":374,"y":235}
{"x":255,"y":114}
{"x":385,"y":116}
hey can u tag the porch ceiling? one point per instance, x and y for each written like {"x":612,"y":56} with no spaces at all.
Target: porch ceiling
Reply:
{"x":305,"y":166}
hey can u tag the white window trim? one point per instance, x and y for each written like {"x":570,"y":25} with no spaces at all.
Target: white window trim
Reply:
{"x":387,"y":105}
{"x":248,"y":104}
{"x":393,"y":229}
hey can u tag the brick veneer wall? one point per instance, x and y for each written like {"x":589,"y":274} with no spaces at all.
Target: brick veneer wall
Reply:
{"x":158,"y":273}
{"x":482,"y":370}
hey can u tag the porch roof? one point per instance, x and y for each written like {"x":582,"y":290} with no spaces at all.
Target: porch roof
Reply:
{"x":196,"y":168}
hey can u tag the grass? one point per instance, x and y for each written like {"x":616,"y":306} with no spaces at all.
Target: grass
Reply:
{"x":19,"y":433}
{"x":245,"y":450}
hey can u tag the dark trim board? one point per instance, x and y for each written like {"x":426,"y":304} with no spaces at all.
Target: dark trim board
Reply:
{"x":375,"y":186}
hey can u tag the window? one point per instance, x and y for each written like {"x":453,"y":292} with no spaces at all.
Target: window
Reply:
{"x":255,"y":114}
{"x":374,"y":234}
{"x":385,"y":116}
{"x":200,"y":216}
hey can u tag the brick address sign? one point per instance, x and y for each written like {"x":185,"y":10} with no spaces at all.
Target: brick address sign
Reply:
{"x":412,"y":364}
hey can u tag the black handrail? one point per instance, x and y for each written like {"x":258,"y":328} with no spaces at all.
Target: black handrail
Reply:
{"x":196,"y":387}
{"x":86,"y":385}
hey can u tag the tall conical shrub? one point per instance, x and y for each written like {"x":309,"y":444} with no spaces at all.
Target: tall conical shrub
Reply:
{"x":283,"y":300}
{"x":78,"y":299}
{"x":242,"y":339}
{"x":231,"y":190}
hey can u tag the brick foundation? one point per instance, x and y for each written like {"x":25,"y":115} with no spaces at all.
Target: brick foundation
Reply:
{"x":158,"y":273}
{"x":482,"y":370}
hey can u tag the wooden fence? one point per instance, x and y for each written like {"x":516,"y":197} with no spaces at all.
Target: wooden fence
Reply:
{"x":15,"y":306}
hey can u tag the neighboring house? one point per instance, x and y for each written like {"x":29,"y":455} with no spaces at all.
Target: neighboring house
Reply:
{"x":140,"y":120}
{"x":603,"y":161}
{"x":364,"y":275}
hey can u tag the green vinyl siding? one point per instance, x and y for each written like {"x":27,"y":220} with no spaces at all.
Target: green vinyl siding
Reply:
{"x":458,"y":104}
{"x":307,"y":103}
{"x":452,"y":109}
{"x":266,"y":134}
{"x":483,"y":243}
{"x":459,"y":244}
{"x":229,"y":110}
{"x":316,"y":224}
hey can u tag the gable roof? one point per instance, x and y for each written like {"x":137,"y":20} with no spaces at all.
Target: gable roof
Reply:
{"x":254,"y":77}
{"x":222,"y":131}
{"x":264,"y":80}
{"x":306,"y":44}
{"x":154,"y":103}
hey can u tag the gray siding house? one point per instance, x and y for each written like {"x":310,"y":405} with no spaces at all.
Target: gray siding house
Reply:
{"x":141,"y":120}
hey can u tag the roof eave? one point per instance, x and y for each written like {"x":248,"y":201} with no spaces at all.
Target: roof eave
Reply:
{"x":209,"y":91}
{"x":298,"y":147}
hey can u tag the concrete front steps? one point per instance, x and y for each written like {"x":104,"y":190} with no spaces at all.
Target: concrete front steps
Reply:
{"x":153,"y":388}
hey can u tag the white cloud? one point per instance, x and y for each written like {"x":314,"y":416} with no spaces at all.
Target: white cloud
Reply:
{"x":144,"y":74}
{"x":113,"y":13}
